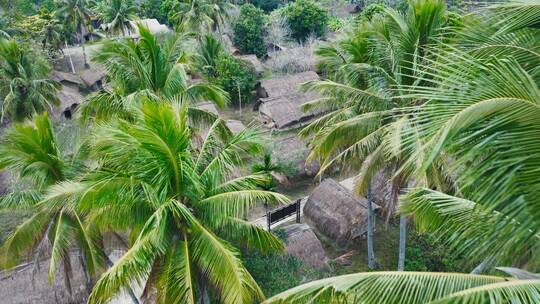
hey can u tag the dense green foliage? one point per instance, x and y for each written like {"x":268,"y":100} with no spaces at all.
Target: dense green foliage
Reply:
{"x":237,"y":77}
{"x":370,"y":11}
{"x":24,"y":87}
{"x":249,"y":30}
{"x":305,"y":18}
{"x":117,"y":14}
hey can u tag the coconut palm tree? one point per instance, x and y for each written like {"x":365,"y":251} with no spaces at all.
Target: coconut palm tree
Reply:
{"x":76,"y":15}
{"x":150,"y":67}
{"x":53,"y":35}
{"x":119,"y":14}
{"x":413,"y":287}
{"x":364,"y":120}
{"x":182,"y":203}
{"x":30,"y":149}
{"x":481,"y":117}
{"x":202,"y":16}
{"x":24,"y":86}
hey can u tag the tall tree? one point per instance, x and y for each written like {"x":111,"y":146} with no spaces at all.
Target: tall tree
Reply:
{"x":30,"y":149}
{"x":201,"y":16}
{"x":24,"y":84}
{"x":180,"y":203}
{"x":149,"y":67}
{"x":481,"y":115}
{"x":76,"y":15}
{"x":119,"y":14}
{"x":365,"y":121}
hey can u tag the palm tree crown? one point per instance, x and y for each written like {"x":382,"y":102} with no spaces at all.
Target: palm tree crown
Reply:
{"x":119,"y":14}
{"x":151,"y":67}
{"x":181,"y":202}
{"x":24,"y":86}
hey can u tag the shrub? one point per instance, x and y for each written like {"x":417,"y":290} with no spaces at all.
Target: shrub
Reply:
{"x":249,"y":30}
{"x":267,"y":5}
{"x":371,"y":10}
{"x":235,"y":76}
{"x":293,"y":60}
{"x":305,"y":18}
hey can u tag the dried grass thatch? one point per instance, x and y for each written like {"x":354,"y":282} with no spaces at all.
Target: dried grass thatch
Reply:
{"x":235,"y":126}
{"x":304,"y":244}
{"x":23,"y":285}
{"x":336,"y":212}
{"x":292,"y":153}
{"x":93,"y":78}
{"x":252,"y":59}
{"x":70,"y":98}
{"x":66,"y":78}
{"x":207,"y":106}
{"x":285,"y":85}
{"x":285,"y":111}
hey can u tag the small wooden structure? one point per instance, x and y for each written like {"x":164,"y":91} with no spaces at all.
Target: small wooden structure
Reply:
{"x":284,"y":212}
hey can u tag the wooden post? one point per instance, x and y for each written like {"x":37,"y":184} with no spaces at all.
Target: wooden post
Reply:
{"x":268,"y":220}
{"x":298,"y":205}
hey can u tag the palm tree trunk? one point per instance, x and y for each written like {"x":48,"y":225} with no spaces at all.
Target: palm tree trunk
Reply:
{"x":483,"y":266}
{"x":70,"y":62}
{"x":82,"y":41}
{"x":372,"y":262}
{"x":402,"y":240}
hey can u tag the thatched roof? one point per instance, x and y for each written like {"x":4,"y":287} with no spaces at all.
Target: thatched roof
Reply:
{"x":304,"y":244}
{"x":284,"y":85}
{"x":226,"y":40}
{"x":235,"y":126}
{"x":292,"y":151}
{"x":66,"y":78}
{"x":22,"y":286}
{"x":259,"y":68}
{"x":92,"y":76}
{"x":207,"y":106}
{"x":69,"y":99}
{"x":285,"y":111}
{"x":336,"y":212}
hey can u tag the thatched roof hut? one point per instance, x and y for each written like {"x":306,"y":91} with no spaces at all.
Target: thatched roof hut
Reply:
{"x":285,"y":111}
{"x":281,"y":100}
{"x":236,"y":126}
{"x":23,"y":285}
{"x":226,"y":40}
{"x":304,"y":244}
{"x":207,"y":106}
{"x":93,"y":78}
{"x":66,"y":78}
{"x":285,"y":85}
{"x":336,"y":212}
{"x":70,"y":98}
{"x":257,"y":65}
{"x":292,"y":152}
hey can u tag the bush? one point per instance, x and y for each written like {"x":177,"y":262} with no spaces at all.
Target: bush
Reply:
{"x":236,"y":77}
{"x":267,"y":5}
{"x":249,"y":30}
{"x":371,"y":10}
{"x":293,"y":60}
{"x":305,"y":18}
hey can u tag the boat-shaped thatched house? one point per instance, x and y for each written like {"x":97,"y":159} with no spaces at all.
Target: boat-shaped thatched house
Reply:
{"x":281,"y":100}
{"x":70,"y":98}
{"x":336,"y":212}
{"x":304,"y":244}
{"x":253,"y":60}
